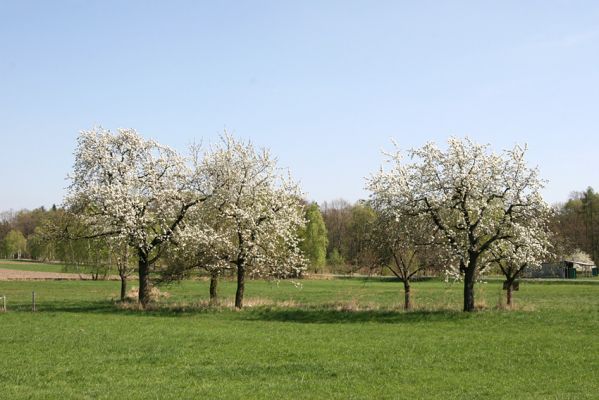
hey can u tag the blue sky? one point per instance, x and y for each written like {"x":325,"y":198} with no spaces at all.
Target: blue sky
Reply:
{"x":324,"y":84}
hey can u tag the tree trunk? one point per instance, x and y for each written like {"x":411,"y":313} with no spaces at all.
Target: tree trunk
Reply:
{"x":510,"y":288}
{"x":144,"y":279}
{"x":123,"y":264}
{"x":469,"y":287}
{"x":213,"y":286}
{"x":407,"y":297}
{"x":123,"y":287}
{"x":240,"y":285}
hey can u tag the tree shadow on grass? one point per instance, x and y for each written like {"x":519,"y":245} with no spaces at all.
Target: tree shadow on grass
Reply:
{"x":383,"y":279}
{"x":333,"y":316}
{"x":132,"y":308}
{"x":128,"y":309}
{"x":304,"y":314}
{"x":59,"y":306}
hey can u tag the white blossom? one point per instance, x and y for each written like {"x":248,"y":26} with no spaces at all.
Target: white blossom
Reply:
{"x":251,"y":221}
{"x":132,"y":189}
{"x":476,"y":199}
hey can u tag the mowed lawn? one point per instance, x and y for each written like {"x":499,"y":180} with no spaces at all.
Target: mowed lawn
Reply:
{"x":338,"y":339}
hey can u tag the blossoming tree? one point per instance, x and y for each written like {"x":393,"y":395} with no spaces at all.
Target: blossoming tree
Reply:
{"x":526,"y":248}
{"x":203,"y":243}
{"x":132,"y":189}
{"x":472,"y":196}
{"x":258,"y":209}
{"x":402,"y":244}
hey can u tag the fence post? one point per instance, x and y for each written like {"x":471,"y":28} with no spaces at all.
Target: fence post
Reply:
{"x":4,"y":303}
{"x":33,"y":301}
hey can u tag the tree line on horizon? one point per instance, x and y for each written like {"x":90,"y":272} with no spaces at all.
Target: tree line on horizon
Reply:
{"x":338,"y":235}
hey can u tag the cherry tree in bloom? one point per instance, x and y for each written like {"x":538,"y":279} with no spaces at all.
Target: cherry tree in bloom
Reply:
{"x":579,"y":256}
{"x":258,"y":211}
{"x":132,"y":189}
{"x":473,"y":197}
{"x":402,"y":244}
{"x":202,"y":242}
{"x":526,"y":248}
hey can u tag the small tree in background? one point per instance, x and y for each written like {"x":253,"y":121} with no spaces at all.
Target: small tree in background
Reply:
{"x":402,"y":245}
{"x":48,"y":239}
{"x":14,"y":244}
{"x":526,"y":248}
{"x":580,"y":256}
{"x":360,"y":250}
{"x":314,"y":238}
{"x":40,"y":248}
{"x":123,"y":258}
{"x":576,"y":224}
{"x":335,"y":259}
{"x":88,"y":256}
{"x":203,"y":243}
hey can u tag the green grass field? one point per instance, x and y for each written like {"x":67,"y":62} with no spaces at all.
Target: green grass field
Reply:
{"x":339,"y":339}
{"x":31,"y":266}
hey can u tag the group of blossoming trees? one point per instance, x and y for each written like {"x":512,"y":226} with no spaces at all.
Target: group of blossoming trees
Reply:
{"x":228,"y":209}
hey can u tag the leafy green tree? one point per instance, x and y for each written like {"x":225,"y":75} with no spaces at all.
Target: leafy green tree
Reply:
{"x":360,"y":251}
{"x":36,"y":246}
{"x":15,"y":244}
{"x":43,"y":244}
{"x":27,"y":220}
{"x":314,"y":238}
{"x":335,"y":259}
{"x":576,"y":225}
{"x":590,"y":211}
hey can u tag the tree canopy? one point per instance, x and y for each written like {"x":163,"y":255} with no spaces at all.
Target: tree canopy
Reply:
{"x":473,"y":197}
{"x":133,"y":189}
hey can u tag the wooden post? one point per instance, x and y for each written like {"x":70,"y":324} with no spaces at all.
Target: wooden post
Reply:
{"x":33,"y":301}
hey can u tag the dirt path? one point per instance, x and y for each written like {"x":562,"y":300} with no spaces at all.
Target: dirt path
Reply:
{"x":14,"y":275}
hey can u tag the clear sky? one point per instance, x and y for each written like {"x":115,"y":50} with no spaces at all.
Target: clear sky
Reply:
{"x":324,"y":84}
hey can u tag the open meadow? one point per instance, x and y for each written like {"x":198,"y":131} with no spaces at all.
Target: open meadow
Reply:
{"x":343,"y":338}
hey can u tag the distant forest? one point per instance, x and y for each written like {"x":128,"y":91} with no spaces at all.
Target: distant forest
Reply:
{"x":347,"y":230}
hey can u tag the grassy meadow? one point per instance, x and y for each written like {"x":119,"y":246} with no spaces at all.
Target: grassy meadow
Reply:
{"x":31,"y":266}
{"x":341,"y":339}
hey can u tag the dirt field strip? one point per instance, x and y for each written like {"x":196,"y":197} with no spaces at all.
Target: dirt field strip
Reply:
{"x":14,"y":275}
